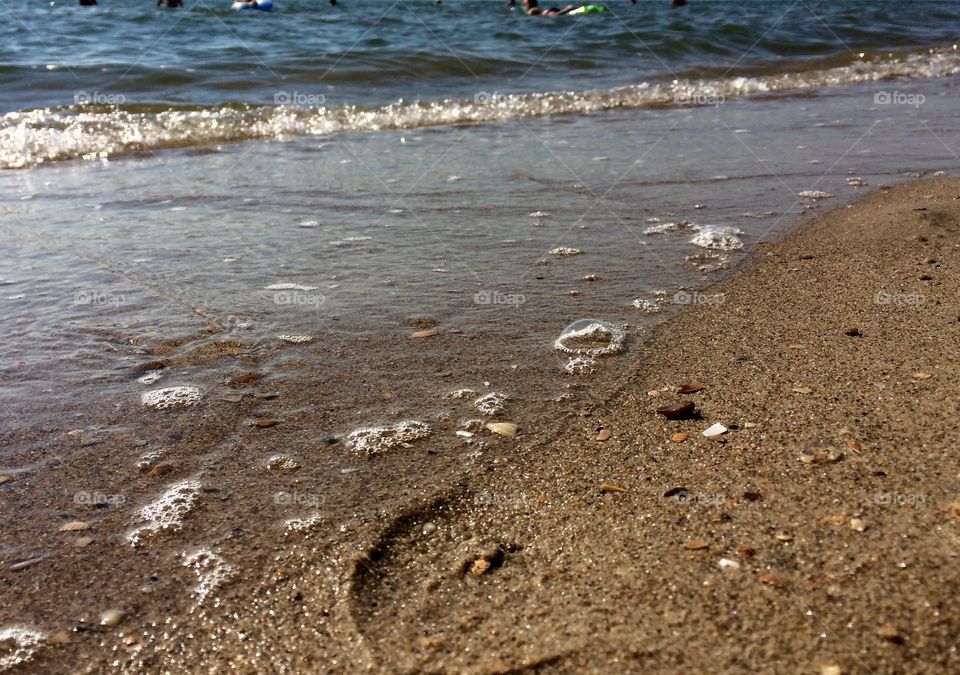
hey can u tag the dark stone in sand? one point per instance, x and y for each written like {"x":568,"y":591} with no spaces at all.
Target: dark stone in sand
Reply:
{"x":752,"y":496}
{"x":679,"y":492}
{"x":330,"y":440}
{"x":265,"y":423}
{"x":678,"y":410}
{"x":142,"y":368}
{"x":853,"y":331}
{"x":245,"y":378}
{"x":690,"y":388}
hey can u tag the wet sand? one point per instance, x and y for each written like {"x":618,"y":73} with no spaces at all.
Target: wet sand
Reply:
{"x":832,"y":498}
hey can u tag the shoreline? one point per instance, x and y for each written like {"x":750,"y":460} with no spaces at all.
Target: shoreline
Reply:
{"x":521,"y":560}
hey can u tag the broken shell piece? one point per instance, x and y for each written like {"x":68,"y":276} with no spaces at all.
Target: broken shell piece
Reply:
{"x":464,"y":434}
{"x":607,"y":487}
{"x":508,"y":429}
{"x":74,"y":526}
{"x":715,"y":432}
{"x":857,"y":525}
{"x":696,"y":545}
{"x":678,"y":410}
{"x":429,"y":332}
{"x":726,"y":563}
{"x":603,"y":435}
{"x":691,"y":388}
{"x":679,"y":438}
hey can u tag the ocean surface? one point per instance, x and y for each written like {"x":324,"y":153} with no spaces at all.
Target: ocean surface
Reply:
{"x":264,"y":208}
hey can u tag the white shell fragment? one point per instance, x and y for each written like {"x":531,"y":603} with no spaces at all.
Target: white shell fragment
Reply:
{"x":715,"y":431}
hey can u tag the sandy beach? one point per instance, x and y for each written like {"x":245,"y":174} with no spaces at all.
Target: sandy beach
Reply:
{"x":819,"y":533}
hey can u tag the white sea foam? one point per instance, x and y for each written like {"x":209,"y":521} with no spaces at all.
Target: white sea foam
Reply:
{"x":171,"y":397}
{"x":374,"y":440}
{"x":492,"y":403}
{"x":167,"y":512}
{"x":18,"y":644}
{"x":718,"y":238}
{"x":211,"y":569}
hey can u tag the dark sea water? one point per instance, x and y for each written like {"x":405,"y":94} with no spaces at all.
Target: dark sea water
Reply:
{"x":125,"y":76}
{"x":293,"y":194}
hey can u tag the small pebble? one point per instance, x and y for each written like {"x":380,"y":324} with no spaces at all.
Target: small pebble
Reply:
{"x":922,"y":376}
{"x":59,"y":638}
{"x":696,"y":545}
{"x":603,"y":435}
{"x":679,"y":437}
{"x":265,"y":423}
{"x":608,"y":487}
{"x":82,"y":542}
{"x":857,"y":525}
{"x":802,"y":390}
{"x":74,"y":526}
{"x":480,"y":566}
{"x":161,"y":469}
{"x":4,"y":479}
{"x":772,"y":580}
{"x":429,"y":528}
{"x":830,"y":670}
{"x":784,"y":536}
{"x":853,"y":331}
{"x":726,"y":563}
{"x":430,"y":332}
{"x":111,"y":618}
{"x":691,"y":388}
{"x":890,"y":633}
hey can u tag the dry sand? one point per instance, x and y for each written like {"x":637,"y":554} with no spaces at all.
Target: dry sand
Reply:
{"x":527,"y":564}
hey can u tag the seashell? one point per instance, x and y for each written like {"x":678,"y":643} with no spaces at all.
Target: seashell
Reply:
{"x":508,"y":429}
{"x":716,"y":431}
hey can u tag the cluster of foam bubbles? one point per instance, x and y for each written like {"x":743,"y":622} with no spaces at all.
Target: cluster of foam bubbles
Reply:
{"x":814,"y":194}
{"x":374,"y":440}
{"x":211,"y":569}
{"x":590,"y":337}
{"x":492,"y":403}
{"x":150,"y":377}
{"x":646,"y":305}
{"x":18,"y":644}
{"x":665,"y":228}
{"x":286,"y":286}
{"x":28,"y":138}
{"x":718,"y":238}
{"x":295,"y":339}
{"x":167,"y":512}
{"x":461,"y":393}
{"x":581,"y":365}
{"x":565,"y":250}
{"x":304,"y":523}
{"x":171,"y":397}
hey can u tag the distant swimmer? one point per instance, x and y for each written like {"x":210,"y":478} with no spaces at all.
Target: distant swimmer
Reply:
{"x":170,"y":4}
{"x":679,"y":3}
{"x":532,"y":9}
{"x":87,"y":3}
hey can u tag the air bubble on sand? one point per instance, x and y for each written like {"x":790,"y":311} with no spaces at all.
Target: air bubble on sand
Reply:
{"x":211,"y":569}
{"x":167,"y":512}
{"x":539,"y":214}
{"x":718,"y":238}
{"x":814,"y":194}
{"x":346,"y":241}
{"x":646,"y":306}
{"x":590,"y":337}
{"x":454,"y":179}
{"x":171,"y":397}
{"x":289,"y":287}
{"x":461,"y":393}
{"x":295,"y":339}
{"x":18,"y":644}
{"x":492,"y":403}
{"x":581,"y":365}
{"x":308,"y":223}
{"x":565,"y":250}
{"x":374,"y":440}
{"x":150,"y":377}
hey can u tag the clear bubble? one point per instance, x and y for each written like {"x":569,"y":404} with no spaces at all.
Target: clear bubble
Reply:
{"x":590,"y":337}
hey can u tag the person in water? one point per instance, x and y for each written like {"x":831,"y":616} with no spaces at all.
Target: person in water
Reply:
{"x":532,"y":9}
{"x":170,"y":4}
